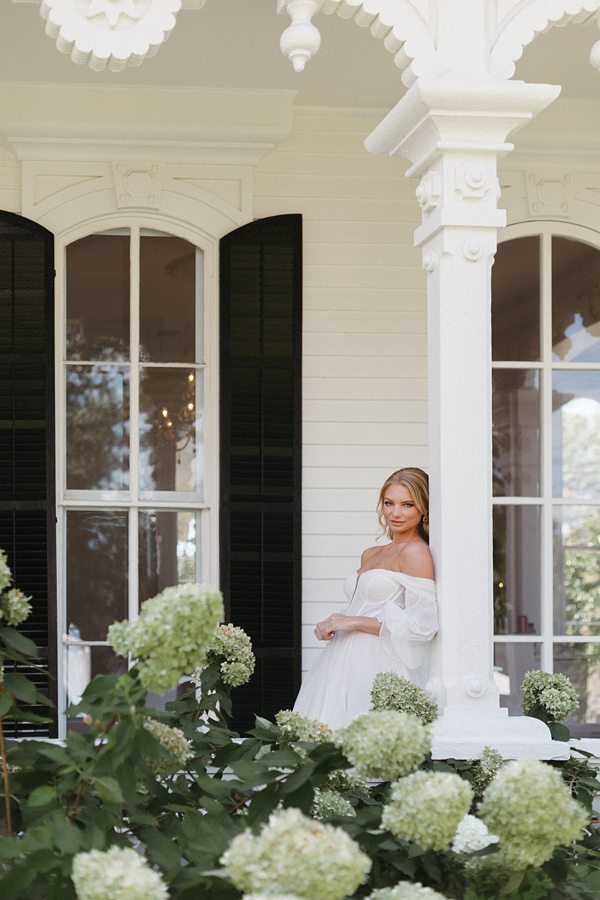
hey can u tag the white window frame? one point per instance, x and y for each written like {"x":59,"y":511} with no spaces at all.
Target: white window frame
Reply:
{"x":546,"y":637}
{"x":207,"y":509}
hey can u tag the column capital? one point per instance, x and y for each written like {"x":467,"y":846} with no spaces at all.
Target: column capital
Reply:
{"x":446,"y":115}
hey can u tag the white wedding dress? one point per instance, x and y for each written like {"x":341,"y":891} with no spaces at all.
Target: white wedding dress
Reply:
{"x":338,"y":687}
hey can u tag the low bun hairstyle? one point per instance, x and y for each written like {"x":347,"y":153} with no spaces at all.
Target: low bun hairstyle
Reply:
{"x":417,"y":483}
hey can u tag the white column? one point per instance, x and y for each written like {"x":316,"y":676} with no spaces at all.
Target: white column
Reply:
{"x":453,"y":133}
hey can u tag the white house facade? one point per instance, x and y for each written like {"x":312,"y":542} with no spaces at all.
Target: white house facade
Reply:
{"x":262,"y":306}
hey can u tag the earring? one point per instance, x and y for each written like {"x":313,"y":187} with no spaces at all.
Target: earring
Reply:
{"x":425,"y":520}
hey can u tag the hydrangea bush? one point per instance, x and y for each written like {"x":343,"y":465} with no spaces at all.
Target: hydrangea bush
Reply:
{"x":391,"y":691}
{"x":147,"y":802}
{"x":548,"y":697}
{"x":385,"y":744}
{"x":232,"y":648}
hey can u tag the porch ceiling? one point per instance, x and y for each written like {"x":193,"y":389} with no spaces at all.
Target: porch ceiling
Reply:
{"x":235,"y":43}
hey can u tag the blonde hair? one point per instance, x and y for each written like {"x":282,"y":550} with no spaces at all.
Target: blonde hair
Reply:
{"x":417,"y":483}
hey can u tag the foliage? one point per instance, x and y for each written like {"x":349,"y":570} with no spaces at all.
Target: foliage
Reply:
{"x":391,"y":691}
{"x":172,"y":789}
{"x":550,"y":698}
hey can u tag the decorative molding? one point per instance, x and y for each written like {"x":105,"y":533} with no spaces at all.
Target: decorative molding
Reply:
{"x":549,"y":195}
{"x":518,"y":27}
{"x":137,"y":185}
{"x":430,"y":261}
{"x":471,"y":181}
{"x":475,"y":686}
{"x":109,"y":33}
{"x":300,"y":40}
{"x":428,"y":191}
{"x":471,"y":250}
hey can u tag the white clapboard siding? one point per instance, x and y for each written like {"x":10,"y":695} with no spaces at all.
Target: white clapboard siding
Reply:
{"x":364,"y":338}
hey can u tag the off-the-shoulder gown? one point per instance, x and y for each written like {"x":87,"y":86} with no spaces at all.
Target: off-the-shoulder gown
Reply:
{"x":338,"y":687}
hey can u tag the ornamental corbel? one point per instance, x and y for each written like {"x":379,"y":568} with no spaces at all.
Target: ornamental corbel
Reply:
{"x":109,"y":34}
{"x":428,"y":192}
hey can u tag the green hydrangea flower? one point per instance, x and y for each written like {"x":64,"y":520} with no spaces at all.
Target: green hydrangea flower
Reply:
{"x":485,"y":769}
{"x":385,"y":744}
{"x":235,"y":647}
{"x":5,"y":573}
{"x":15,"y":607}
{"x":116,"y":874}
{"x":406,"y":890}
{"x":550,"y":698}
{"x":295,"y":727}
{"x":346,"y":781}
{"x":172,"y":634}
{"x":295,"y":854}
{"x":330,"y":803}
{"x":427,"y":807}
{"x":173,"y":740}
{"x":391,"y":691}
{"x":530,"y":808}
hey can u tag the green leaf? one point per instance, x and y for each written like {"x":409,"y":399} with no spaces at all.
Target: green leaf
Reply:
{"x":14,"y":639}
{"x":17,"y":684}
{"x":67,"y":838}
{"x":6,"y":703}
{"x":559,"y":731}
{"x":263,"y":804}
{"x":298,"y":778}
{"x":108,"y":789}
{"x":41,"y":796}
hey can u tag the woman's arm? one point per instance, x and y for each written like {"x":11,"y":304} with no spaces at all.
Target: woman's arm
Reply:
{"x":326,"y":629}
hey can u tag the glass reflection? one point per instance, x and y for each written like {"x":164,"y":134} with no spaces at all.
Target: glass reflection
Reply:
{"x":169,"y":555}
{"x":517,"y":559}
{"x":97,"y":427}
{"x":576,"y":435}
{"x":96,"y":572}
{"x":577,"y":570}
{"x":170,"y":280}
{"x":170,"y":425}
{"x":511,"y":662}
{"x":516,"y":300}
{"x":100,"y":661}
{"x":98,"y":298}
{"x":575,"y":301}
{"x":581,"y":662}
{"x":516,"y":432}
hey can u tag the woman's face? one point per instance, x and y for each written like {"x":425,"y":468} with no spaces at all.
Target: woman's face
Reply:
{"x":400,"y":512}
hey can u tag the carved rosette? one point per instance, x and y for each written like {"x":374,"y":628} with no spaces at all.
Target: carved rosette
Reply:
{"x":109,"y":34}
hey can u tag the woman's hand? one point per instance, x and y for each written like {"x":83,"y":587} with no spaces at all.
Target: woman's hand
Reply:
{"x":326,"y":629}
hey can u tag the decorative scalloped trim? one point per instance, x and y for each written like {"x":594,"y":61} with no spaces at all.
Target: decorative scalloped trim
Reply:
{"x":406,"y":30}
{"x":107,"y":40}
{"x":523,"y":24}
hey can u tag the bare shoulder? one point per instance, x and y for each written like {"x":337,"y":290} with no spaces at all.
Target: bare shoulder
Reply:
{"x":368,"y":554}
{"x":417,"y":561}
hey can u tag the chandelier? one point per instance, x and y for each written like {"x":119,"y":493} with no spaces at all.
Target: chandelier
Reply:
{"x":177,"y":428}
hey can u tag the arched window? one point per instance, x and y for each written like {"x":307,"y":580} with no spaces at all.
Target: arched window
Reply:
{"x":546,"y":462}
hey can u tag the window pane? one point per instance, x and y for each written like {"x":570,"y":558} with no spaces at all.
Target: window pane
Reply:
{"x":517,"y":561}
{"x":516,"y":432}
{"x":170,"y":427}
{"x":97,"y":428}
{"x":96,"y":572}
{"x":511,"y":662}
{"x":170,"y":279}
{"x":576,"y":435}
{"x":575,"y":301}
{"x":581,"y":662}
{"x":577,"y":570}
{"x":516,"y":300}
{"x":83,"y":664}
{"x":98,"y":297}
{"x":169,"y":550}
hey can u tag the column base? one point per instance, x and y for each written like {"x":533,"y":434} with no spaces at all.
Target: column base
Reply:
{"x":463,"y":736}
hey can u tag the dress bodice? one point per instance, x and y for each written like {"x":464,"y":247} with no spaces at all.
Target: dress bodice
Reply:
{"x":372,"y":589}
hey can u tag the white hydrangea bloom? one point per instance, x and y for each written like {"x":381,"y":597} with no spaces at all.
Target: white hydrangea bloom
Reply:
{"x":391,"y":691}
{"x":330,"y":803}
{"x":406,"y":890}
{"x":426,"y":807}
{"x":271,"y":897}
{"x":296,"y":727}
{"x":173,"y":740}
{"x":15,"y":607}
{"x":172,"y":634}
{"x":116,"y":874}
{"x":233,"y":644}
{"x":531,"y":809}
{"x":295,"y":853}
{"x":472,"y":835}
{"x":550,"y":697}
{"x":5,"y":573}
{"x":385,"y":744}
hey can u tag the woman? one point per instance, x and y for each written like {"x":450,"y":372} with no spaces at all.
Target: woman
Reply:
{"x":392,"y":613}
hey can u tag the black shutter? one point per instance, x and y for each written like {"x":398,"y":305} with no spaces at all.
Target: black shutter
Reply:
{"x":260,"y":377}
{"x":27,"y":515}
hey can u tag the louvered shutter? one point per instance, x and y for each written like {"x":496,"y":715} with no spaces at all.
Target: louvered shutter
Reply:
{"x":260,"y":392}
{"x":27,"y":518}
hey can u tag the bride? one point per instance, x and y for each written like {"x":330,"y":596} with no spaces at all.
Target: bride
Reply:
{"x":391,"y":616}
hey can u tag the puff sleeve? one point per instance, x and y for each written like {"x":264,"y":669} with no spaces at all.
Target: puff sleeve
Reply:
{"x":409,"y":621}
